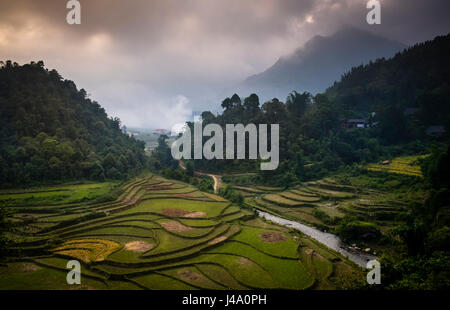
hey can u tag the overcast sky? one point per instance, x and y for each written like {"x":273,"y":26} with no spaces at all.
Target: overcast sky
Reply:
{"x":151,"y":62}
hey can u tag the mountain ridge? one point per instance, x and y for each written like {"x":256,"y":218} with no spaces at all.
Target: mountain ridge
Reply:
{"x":319,"y":63}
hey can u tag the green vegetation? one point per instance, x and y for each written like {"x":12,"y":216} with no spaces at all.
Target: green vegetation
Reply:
{"x":316,"y":139}
{"x":424,"y":262}
{"x":407,"y":165}
{"x":384,"y":187}
{"x":148,"y":238}
{"x":357,"y":230}
{"x":51,"y":131}
{"x":56,"y":195}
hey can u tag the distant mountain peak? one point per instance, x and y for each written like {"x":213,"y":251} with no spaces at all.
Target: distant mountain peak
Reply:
{"x":319,"y":63}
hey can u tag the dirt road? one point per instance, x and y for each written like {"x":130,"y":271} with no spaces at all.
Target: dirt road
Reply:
{"x":217,"y":178}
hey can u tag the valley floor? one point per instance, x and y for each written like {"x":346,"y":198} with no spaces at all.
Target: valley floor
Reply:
{"x":162,"y":234}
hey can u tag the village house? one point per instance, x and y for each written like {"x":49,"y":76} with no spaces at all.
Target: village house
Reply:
{"x":161,"y":132}
{"x":435,"y":130}
{"x":355,"y":123}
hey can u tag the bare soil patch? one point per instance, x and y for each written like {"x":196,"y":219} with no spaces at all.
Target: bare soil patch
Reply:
{"x":29,"y":267}
{"x":175,"y":226}
{"x":309,"y":251}
{"x":129,"y":201}
{"x":182,"y":213}
{"x":244,"y":261}
{"x":315,"y":254}
{"x":189,"y":275}
{"x":271,"y":236}
{"x":195,"y":214}
{"x":217,"y":240}
{"x":138,"y":246}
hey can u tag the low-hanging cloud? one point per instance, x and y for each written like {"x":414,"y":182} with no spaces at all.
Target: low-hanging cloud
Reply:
{"x":152,"y":62}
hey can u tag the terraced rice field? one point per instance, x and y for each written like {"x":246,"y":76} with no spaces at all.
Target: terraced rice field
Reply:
{"x":401,"y":165}
{"x":164,"y":234}
{"x":323,"y":203}
{"x":55,"y":195}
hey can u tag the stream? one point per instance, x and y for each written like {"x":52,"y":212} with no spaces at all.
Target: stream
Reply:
{"x":330,"y":240}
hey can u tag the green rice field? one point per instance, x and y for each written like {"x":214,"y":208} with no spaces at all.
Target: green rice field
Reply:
{"x":165,"y":234}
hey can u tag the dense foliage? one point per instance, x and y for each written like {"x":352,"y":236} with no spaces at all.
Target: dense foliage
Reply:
{"x":313,"y":141}
{"x":424,"y":261}
{"x":52,"y":131}
{"x":161,"y":161}
{"x":399,"y":99}
{"x":416,"y":81}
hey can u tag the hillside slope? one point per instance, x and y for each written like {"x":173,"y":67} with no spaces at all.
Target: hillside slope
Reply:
{"x":52,"y":131}
{"x":319,"y":63}
{"x":412,"y":87}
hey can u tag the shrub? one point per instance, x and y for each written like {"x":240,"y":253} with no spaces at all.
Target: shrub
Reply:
{"x":439,"y":239}
{"x":357,"y":230}
{"x":321,"y":215}
{"x":229,"y":193}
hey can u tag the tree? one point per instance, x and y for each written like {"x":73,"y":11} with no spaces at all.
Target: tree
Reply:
{"x":274,"y":111}
{"x":163,"y":155}
{"x":52,"y":130}
{"x":190,"y":168}
{"x":208,"y":117}
{"x":227,"y":104}
{"x":251,"y":107}
{"x":436,"y":168}
{"x":113,"y":173}
{"x":297,"y":103}
{"x":325,"y":115}
{"x":109,"y":161}
{"x":236,"y":100}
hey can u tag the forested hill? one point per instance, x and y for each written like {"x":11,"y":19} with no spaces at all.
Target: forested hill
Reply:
{"x":52,"y":131}
{"x":417,"y":78}
{"x":409,"y":94}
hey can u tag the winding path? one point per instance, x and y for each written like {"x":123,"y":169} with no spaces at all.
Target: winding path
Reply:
{"x":329,"y":240}
{"x":217,"y":178}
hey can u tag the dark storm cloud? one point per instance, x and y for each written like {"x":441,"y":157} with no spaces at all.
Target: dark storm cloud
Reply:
{"x":151,"y":62}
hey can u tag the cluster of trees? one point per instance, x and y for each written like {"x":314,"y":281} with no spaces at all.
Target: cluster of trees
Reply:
{"x":312,"y":140}
{"x":53,"y":131}
{"x":161,"y":157}
{"x":229,"y":193}
{"x":417,"y":78}
{"x":424,"y":261}
{"x":161,"y":161}
{"x":313,"y":144}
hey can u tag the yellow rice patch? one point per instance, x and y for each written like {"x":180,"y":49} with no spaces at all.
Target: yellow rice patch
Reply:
{"x":88,"y":250}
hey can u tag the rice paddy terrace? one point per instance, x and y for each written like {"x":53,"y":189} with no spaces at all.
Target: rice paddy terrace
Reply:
{"x":406,"y":165}
{"x":164,"y":234}
{"x":322,"y":203}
